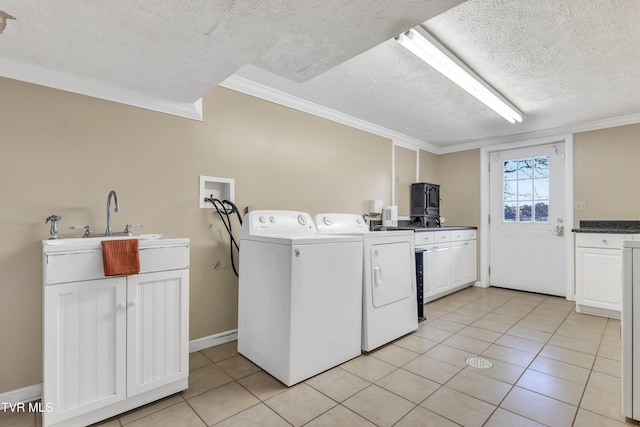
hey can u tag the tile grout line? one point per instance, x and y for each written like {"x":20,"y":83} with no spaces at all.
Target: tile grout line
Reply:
{"x":512,"y":386}
{"x":451,"y":308}
{"x":527,"y":367}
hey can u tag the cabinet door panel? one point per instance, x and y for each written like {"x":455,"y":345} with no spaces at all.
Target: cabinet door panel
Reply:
{"x":442,"y":266}
{"x":470,"y":261}
{"x":598,"y":278}
{"x":84,"y":330}
{"x":157,"y":329}
{"x":458,"y":255}
{"x":428,"y":272}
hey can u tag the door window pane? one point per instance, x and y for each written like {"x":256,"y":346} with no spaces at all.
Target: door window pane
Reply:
{"x":524,"y":168}
{"x":541,"y":167}
{"x":510,"y":169}
{"x":542,"y":212}
{"x":526,"y":189}
{"x":510,"y":212}
{"x":510,"y":191}
{"x":541,"y":188}
{"x":524,"y":212}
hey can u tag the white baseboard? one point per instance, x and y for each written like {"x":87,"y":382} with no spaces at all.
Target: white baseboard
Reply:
{"x":213,"y":340}
{"x":26,"y":394}
{"x":34,"y":392}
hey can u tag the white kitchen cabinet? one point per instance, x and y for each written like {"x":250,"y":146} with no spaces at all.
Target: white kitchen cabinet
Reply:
{"x":442,"y":267}
{"x":111,"y":344}
{"x":157,"y":334}
{"x":428,"y":272}
{"x":599,"y":273}
{"x":436,"y":260}
{"x":464,"y":259}
{"x":84,"y":347}
{"x":449,"y":261}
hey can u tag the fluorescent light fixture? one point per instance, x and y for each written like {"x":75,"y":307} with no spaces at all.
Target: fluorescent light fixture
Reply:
{"x":422,"y":44}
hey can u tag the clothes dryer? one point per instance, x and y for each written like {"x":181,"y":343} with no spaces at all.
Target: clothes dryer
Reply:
{"x":389,"y":308}
{"x":300,"y":295}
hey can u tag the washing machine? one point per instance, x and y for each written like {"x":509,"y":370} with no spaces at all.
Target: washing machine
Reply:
{"x":299,"y":297}
{"x":389,"y":308}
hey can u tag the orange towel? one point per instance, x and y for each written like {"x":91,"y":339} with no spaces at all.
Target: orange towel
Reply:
{"x":120,"y":257}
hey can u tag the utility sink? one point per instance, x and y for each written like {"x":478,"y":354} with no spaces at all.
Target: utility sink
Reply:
{"x":79,"y":258}
{"x":123,"y":236}
{"x":94,"y":242}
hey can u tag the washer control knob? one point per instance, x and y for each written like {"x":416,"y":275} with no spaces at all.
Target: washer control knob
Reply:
{"x":262,"y":219}
{"x":327,"y":220}
{"x":302,"y":220}
{"x":359,"y":220}
{"x":272,"y":219}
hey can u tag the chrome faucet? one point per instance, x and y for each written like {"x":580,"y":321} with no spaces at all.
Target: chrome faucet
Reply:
{"x":54,"y":225}
{"x":116,"y":209}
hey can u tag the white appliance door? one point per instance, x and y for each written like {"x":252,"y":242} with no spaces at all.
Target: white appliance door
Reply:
{"x":527,"y":230}
{"x":326,"y":307}
{"x":391,"y":279}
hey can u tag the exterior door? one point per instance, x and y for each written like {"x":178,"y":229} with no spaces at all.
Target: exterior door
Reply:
{"x":527,"y":219}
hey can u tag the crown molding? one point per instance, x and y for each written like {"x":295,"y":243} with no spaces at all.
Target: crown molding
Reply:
{"x":240,"y":84}
{"x":72,"y":83}
{"x":553,"y":132}
{"x":258,"y":90}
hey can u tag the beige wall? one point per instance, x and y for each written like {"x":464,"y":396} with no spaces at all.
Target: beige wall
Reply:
{"x":405,"y":171}
{"x":62,"y":153}
{"x":459,"y":179}
{"x":428,"y":169}
{"x":605,"y":165}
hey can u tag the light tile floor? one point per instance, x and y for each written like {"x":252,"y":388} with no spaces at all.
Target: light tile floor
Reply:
{"x":551,"y":366}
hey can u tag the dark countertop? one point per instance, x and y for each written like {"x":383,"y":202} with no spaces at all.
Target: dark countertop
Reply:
{"x":445,"y":228}
{"x":609,"y":226}
{"x":404,"y":224}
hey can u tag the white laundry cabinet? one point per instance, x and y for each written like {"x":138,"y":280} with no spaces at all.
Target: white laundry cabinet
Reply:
{"x":599,"y":272}
{"x":111,"y":344}
{"x":450,"y":260}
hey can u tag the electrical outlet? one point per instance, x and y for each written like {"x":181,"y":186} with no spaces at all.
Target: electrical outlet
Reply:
{"x":580,"y":205}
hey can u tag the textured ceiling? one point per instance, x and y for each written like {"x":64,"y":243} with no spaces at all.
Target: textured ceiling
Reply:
{"x":560,"y":62}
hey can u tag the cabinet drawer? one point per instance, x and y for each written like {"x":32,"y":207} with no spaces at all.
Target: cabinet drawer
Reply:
{"x":442,"y":237}
{"x":600,"y":240}
{"x":459,"y":235}
{"x":64,"y":267}
{"x":424,"y":238}
{"x":163,"y":258}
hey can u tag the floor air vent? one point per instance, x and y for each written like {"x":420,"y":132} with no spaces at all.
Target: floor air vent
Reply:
{"x":479,"y":362}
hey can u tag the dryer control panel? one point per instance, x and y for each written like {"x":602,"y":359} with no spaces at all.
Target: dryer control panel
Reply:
{"x":278,"y":223}
{"x":341,"y":223}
